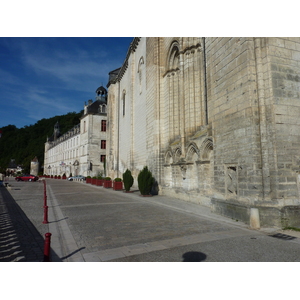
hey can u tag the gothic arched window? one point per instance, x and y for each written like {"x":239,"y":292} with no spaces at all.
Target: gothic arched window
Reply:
{"x":140,"y":72}
{"x":173,"y":58}
{"x":172,"y":86}
{"x":123,"y":102}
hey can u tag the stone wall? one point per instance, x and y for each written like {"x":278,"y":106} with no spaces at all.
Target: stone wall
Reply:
{"x":284,"y":57}
{"x":215,"y":120}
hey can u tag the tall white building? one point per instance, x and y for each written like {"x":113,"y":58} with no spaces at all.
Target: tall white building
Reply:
{"x":81,"y":150}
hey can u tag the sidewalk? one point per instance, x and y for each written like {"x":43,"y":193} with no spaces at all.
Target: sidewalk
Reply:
{"x":22,"y":233}
{"x":19,"y":239}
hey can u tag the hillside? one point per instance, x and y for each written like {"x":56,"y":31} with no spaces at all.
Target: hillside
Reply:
{"x":23,"y":144}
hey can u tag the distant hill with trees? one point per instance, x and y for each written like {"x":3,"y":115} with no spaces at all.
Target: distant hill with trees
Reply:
{"x":23,"y":144}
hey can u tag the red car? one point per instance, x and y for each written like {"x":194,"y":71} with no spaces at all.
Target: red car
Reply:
{"x":27,"y":178}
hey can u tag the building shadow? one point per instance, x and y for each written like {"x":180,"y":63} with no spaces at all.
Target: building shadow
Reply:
{"x":155,"y":189}
{"x":19,"y":239}
{"x":283,"y":236}
{"x":58,"y":220}
{"x":193,"y":256}
{"x":72,"y":253}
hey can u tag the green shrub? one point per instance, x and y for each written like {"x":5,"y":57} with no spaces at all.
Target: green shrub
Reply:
{"x":99,"y":177}
{"x":128,"y":180}
{"x":145,"y":181}
{"x":107,"y":178}
{"x":88,"y":177}
{"x":118,"y":179}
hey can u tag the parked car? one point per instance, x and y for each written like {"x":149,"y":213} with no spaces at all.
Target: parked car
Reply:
{"x":26,"y":177}
{"x":78,"y":177}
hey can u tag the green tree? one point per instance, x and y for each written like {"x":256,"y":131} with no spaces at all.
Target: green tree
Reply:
{"x":23,"y":144}
{"x":128,"y":180}
{"x":145,"y":181}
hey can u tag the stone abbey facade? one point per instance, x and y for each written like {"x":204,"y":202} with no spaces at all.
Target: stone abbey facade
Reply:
{"x":216,"y":120}
{"x":81,"y":150}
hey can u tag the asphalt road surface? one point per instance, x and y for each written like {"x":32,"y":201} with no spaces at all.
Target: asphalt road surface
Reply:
{"x":95,"y":224}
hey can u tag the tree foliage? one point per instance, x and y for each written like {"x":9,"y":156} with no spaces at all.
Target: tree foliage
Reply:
{"x":128,"y":180}
{"x":23,"y":144}
{"x":145,"y":181}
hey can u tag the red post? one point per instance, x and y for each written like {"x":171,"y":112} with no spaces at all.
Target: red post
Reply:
{"x":47,"y":247}
{"x":45,"y":194}
{"x":45,"y":215}
{"x":45,"y":200}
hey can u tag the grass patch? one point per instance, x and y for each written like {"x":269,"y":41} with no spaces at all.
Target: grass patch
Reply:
{"x":292,"y":228}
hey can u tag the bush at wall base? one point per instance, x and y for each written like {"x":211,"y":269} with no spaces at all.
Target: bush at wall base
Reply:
{"x":145,"y":181}
{"x":128,"y":180}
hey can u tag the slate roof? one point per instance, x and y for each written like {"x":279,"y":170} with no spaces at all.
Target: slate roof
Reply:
{"x":94,"y":107}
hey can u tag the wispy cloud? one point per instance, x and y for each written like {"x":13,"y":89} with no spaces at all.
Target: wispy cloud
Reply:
{"x":76,"y":70}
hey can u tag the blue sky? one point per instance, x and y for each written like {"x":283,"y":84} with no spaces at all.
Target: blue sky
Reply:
{"x":45,"y":77}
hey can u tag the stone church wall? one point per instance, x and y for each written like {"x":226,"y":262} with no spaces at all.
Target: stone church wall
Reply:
{"x":284,"y":56}
{"x":215,"y":120}
{"x":112,"y":132}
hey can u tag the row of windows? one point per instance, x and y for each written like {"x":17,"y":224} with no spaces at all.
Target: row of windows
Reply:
{"x":71,"y":153}
{"x":103,"y":125}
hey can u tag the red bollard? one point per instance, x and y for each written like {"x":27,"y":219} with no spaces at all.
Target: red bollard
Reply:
{"x":45,"y":194}
{"x":45,"y":200}
{"x":47,"y":247}
{"x":45,"y":215}
{"x":44,"y":186}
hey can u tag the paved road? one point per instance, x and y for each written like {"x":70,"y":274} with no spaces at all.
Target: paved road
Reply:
{"x":94,"y":224}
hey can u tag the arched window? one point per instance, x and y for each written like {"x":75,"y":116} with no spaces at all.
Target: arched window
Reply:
{"x":123,"y":102}
{"x":140,"y":72}
{"x":173,"y":57}
{"x":172,"y":86}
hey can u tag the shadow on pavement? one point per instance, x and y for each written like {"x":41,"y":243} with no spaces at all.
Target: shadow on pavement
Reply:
{"x":283,"y":236}
{"x":193,"y":256}
{"x":69,"y":255}
{"x":19,"y":239}
{"x":58,"y":220}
